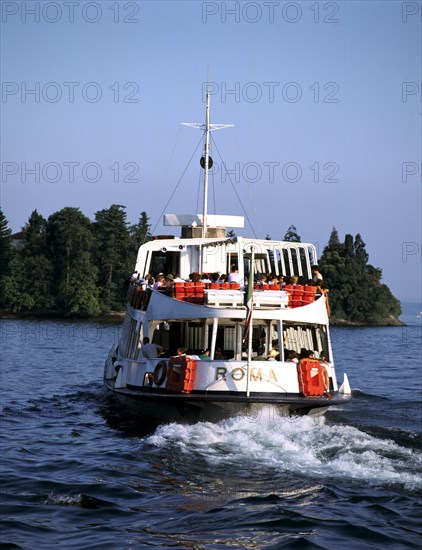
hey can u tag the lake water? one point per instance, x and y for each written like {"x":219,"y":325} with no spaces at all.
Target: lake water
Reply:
{"x":78,"y":472}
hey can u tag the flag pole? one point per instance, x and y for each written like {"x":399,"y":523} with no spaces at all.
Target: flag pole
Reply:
{"x":249,"y":320}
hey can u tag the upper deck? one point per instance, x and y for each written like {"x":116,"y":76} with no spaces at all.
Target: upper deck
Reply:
{"x":183,"y":256}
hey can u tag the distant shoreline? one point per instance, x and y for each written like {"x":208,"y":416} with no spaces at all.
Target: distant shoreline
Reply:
{"x":119,"y":316}
{"x":389,"y":322}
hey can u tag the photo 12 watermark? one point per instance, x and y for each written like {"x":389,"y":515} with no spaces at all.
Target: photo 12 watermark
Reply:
{"x":411,"y":91}
{"x":69,"y":172}
{"x":273,"y":92}
{"x":70,"y":12}
{"x":69,"y":92}
{"x":411,"y":251}
{"x":276,"y":172}
{"x":411,"y":172}
{"x":411,"y":12}
{"x":271,"y":12}
{"x":44,"y":333}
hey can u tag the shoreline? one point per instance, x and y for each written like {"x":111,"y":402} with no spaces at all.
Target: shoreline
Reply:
{"x":119,"y":316}
{"x":389,"y":322}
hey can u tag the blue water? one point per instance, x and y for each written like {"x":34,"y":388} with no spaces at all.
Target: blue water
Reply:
{"x":78,"y":472}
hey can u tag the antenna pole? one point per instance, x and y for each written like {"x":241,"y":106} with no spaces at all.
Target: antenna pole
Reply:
{"x":206,"y":159}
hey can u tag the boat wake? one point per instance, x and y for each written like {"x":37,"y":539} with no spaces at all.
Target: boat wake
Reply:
{"x":306,"y":447}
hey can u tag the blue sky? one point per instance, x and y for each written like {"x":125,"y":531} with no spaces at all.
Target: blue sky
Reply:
{"x":325,"y":98}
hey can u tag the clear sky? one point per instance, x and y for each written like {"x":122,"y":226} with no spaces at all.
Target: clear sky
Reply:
{"x":325,"y":98}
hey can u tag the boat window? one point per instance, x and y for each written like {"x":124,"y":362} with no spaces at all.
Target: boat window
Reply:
{"x":261,"y":264}
{"x":231,"y":260}
{"x":304,"y":263}
{"x":287,"y":262}
{"x":272,"y":258}
{"x":194,"y":337}
{"x":164,"y":262}
{"x":297,"y":267}
{"x":229,"y":338}
{"x":311,"y":337}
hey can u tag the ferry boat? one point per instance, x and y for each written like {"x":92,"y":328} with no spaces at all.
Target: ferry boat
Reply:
{"x":194,"y":350}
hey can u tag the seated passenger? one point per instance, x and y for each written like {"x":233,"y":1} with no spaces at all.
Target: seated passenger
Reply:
{"x":234,"y":276}
{"x":260,"y":355}
{"x":306,"y":354}
{"x":159,"y":281}
{"x":169,"y":281}
{"x":205,"y":355}
{"x":273,"y":355}
{"x":149,"y":280}
{"x":218,"y":355}
{"x":214,"y":277}
{"x":291,"y":355}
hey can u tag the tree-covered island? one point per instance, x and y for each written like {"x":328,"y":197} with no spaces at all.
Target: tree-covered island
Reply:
{"x":70,"y":266}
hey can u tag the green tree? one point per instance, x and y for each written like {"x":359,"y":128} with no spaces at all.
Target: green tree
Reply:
{"x":29,"y":284}
{"x":356,"y":293}
{"x":292,"y":235}
{"x":140,"y":233}
{"x":5,"y":254}
{"x":334,"y":241}
{"x":112,"y":253}
{"x":70,"y":239}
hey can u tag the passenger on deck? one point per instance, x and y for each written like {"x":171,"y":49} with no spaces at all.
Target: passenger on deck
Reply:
{"x":215,"y":277}
{"x":234,"y":276}
{"x":260,"y":355}
{"x":322,"y":359}
{"x":322,"y":290}
{"x":149,"y":280}
{"x":159,"y":281}
{"x":306,"y":354}
{"x":218,"y":355}
{"x":169,"y":281}
{"x":205,"y":278}
{"x":195,"y":277}
{"x":181,"y":351}
{"x":273,"y":355}
{"x":150,"y":350}
{"x":273,"y":279}
{"x":291,"y":355}
{"x":205,"y":355}
{"x":316,"y":275}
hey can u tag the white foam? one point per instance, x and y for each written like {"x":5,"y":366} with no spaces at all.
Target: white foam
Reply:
{"x":63,"y":500}
{"x":306,"y":446}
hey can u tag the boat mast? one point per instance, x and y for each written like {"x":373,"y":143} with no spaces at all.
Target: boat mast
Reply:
{"x":206,"y":160}
{"x":206,"y":163}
